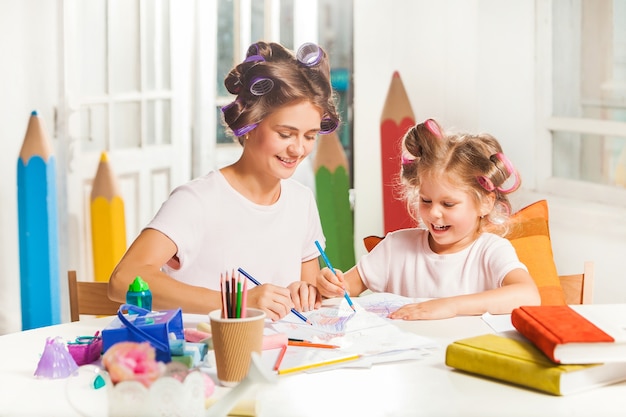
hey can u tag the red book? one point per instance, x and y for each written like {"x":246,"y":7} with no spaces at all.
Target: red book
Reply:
{"x":593,"y":334}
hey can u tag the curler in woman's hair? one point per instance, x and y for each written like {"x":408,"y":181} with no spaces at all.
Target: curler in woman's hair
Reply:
{"x":244,"y":129}
{"x":328,"y":125}
{"x":309,"y":54}
{"x":261,"y":86}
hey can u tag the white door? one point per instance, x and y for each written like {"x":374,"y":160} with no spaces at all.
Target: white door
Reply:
{"x":124,"y":91}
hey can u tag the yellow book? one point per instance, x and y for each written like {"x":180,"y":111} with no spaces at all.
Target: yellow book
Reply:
{"x":521,"y":363}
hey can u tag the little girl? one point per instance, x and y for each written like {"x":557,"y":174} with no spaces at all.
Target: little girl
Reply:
{"x":456,"y":186}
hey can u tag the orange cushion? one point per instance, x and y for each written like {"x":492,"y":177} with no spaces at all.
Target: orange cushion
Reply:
{"x":530,"y":236}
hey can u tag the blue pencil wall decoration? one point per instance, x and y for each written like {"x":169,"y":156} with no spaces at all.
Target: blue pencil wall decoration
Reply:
{"x":38,"y":229}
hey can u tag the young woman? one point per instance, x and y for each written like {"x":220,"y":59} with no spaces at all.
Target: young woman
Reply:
{"x":250,"y":214}
{"x":457,"y":187}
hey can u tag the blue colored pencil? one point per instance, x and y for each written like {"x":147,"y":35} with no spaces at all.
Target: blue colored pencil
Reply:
{"x":38,"y":229}
{"x":330,"y":266}
{"x":255,"y":282}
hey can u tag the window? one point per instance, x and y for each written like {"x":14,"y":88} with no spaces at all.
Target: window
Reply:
{"x":587,"y":115}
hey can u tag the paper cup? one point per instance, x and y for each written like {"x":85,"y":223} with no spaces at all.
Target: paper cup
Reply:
{"x":234,"y":340}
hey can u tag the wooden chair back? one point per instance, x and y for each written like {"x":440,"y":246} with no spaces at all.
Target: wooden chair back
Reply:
{"x":89,"y":298}
{"x":577,"y":288}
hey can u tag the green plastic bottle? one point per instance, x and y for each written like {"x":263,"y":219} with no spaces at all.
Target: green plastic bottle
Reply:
{"x":139,"y":294}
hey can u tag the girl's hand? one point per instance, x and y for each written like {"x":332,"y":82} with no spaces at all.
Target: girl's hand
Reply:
{"x":440,"y":308}
{"x":305,"y":296}
{"x":274,"y":300}
{"x":329,"y":284}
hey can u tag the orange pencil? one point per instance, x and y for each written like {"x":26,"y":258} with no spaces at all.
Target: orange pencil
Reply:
{"x":311,"y":345}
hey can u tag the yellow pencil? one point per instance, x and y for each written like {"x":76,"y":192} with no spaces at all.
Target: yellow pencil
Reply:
{"x":318,"y":364}
{"x":108,"y":225}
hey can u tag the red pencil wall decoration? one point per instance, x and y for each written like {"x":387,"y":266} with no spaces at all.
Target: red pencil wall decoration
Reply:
{"x":397,"y":118}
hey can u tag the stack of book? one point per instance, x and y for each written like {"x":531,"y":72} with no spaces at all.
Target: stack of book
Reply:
{"x":562,"y":351}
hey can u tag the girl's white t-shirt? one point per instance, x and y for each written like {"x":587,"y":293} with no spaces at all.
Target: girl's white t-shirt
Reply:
{"x":403,"y":263}
{"x":217,"y":230}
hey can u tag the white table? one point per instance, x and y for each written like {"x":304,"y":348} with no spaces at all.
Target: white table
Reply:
{"x":417,"y":388}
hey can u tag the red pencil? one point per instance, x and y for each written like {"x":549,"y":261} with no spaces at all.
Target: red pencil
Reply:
{"x":280,"y":357}
{"x":396,"y":119}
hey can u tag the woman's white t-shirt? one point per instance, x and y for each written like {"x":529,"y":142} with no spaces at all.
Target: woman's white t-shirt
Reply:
{"x":403,"y":263}
{"x":217,"y":230}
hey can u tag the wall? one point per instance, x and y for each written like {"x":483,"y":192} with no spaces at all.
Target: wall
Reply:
{"x":471,"y":65}
{"x":468,"y":63}
{"x":29,"y":80}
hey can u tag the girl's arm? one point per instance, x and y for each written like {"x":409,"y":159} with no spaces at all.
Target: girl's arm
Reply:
{"x":331,"y":285}
{"x":518,"y":288}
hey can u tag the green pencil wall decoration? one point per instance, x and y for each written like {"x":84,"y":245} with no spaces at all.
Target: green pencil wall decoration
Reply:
{"x":332,"y":186}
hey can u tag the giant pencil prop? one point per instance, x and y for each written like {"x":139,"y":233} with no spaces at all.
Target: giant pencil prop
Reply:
{"x":108,"y":221}
{"x":397,"y":118}
{"x":38,"y":229}
{"x":332,"y":186}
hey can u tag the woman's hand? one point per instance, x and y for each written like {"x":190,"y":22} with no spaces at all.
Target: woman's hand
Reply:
{"x":305,"y":296}
{"x":274,"y":300}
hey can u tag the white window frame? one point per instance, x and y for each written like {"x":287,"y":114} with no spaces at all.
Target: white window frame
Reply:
{"x":548,"y":123}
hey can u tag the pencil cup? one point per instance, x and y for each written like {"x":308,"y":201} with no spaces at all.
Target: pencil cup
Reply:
{"x":234,"y":340}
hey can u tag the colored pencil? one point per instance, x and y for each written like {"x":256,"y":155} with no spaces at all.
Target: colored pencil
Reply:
{"x":38,"y":229}
{"x":108,"y":222}
{"x":244,"y":299}
{"x":255,"y":282}
{"x":345,"y":293}
{"x":397,"y":117}
{"x":239,"y":299}
{"x":332,"y":189}
{"x":311,"y":344}
{"x":223,"y":293}
{"x":280,"y":357}
{"x":228,"y":297}
{"x":233,"y":295}
{"x":318,"y":364}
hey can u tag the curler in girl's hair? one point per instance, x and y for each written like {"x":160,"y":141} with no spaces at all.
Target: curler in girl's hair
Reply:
{"x":432,"y":126}
{"x":488,"y":185}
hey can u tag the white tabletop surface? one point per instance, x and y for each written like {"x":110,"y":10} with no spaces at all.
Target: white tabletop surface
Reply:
{"x":425,"y":387}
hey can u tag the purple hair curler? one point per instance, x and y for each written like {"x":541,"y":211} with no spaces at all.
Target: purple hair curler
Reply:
{"x":309,"y":54}
{"x":328,"y":125}
{"x":245,"y":129}
{"x":261,"y":86}
{"x":254,"y":58}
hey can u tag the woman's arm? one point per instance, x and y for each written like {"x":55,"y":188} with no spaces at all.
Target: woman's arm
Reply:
{"x":151,"y":250}
{"x":145,"y":257}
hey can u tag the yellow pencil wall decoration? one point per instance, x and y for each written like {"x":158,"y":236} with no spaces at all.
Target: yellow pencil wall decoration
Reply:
{"x":108,"y":221}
